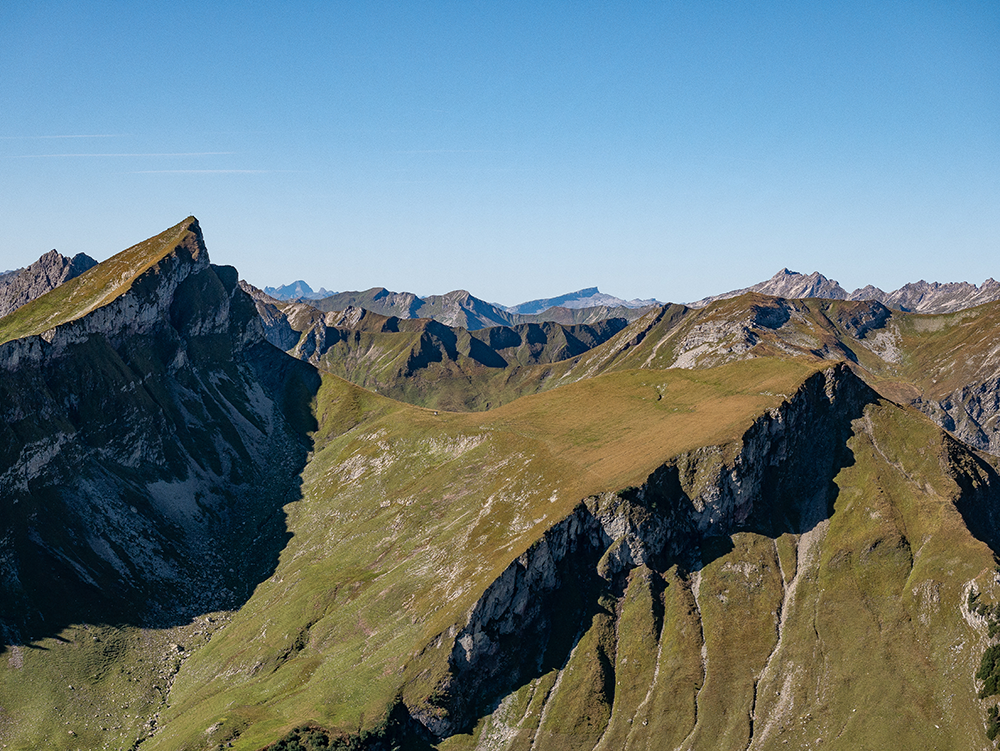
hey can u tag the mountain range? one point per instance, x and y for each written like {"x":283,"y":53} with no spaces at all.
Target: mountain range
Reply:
{"x":460,"y":308}
{"x":916,"y":297}
{"x":298,"y":290}
{"x":231,"y":521}
{"x":409,"y":303}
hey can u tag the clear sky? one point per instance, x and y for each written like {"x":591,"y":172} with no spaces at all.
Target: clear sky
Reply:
{"x":514,"y":149}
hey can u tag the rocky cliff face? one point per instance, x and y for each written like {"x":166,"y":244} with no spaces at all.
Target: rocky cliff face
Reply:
{"x":777,"y":479}
{"x":971,"y":412}
{"x":139,"y":450}
{"x":915,"y":297}
{"x":48,"y":272}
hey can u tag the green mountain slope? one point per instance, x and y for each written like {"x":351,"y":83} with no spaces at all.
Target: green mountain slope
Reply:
{"x":425,"y":362}
{"x":944,"y":365}
{"x":724,"y":528}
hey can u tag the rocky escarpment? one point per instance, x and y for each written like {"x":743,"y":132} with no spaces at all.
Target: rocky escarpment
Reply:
{"x":48,"y":272}
{"x":776,"y":479}
{"x":933,"y":297}
{"x":146,"y":449}
{"x":971,"y":412}
{"x":915,"y":297}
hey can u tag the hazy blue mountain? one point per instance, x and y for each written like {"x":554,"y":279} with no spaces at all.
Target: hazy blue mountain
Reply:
{"x":297,"y":290}
{"x":590,"y":297}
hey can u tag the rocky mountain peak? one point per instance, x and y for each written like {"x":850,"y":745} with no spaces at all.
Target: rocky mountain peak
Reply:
{"x":590,"y":297}
{"x":788,"y":284}
{"x":129,"y":293}
{"x":48,"y":272}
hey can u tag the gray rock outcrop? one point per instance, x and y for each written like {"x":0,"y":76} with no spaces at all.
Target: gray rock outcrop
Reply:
{"x":778,"y":479}
{"x":915,"y":297}
{"x":22,"y":286}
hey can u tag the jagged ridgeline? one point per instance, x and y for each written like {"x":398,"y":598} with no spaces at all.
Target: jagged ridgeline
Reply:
{"x":736,"y":527}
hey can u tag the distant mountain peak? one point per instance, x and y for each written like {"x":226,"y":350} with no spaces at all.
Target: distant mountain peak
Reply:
{"x":915,"y":297}
{"x":589,"y":297}
{"x":788,"y":284}
{"x":297,"y":290}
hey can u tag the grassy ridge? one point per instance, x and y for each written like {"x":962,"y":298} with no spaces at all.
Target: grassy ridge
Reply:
{"x":407,"y":516}
{"x":98,"y":286}
{"x":848,"y":636}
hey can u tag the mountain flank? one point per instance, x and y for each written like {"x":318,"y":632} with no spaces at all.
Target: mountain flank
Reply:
{"x":232,"y":521}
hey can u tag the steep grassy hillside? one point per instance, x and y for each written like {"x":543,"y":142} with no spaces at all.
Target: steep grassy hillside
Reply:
{"x":382,"y":559}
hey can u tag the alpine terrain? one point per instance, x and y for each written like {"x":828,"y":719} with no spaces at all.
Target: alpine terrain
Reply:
{"x":374,"y":522}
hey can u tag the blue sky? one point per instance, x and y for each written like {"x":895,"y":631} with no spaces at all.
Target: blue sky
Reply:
{"x":515,"y":149}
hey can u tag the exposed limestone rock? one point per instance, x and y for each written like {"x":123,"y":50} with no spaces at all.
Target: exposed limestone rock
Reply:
{"x":787,"y":284}
{"x":971,"y":412}
{"x":933,"y":297}
{"x":915,"y":297}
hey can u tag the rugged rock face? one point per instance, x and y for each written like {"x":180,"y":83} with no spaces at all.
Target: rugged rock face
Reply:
{"x":778,"y":479}
{"x":915,"y":297}
{"x":152,"y":429}
{"x":787,"y":284}
{"x":277,"y":329}
{"x":45,"y":274}
{"x":933,"y":297}
{"x":971,"y":412}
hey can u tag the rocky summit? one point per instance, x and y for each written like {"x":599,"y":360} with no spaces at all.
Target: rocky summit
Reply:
{"x":48,"y":272}
{"x":915,"y":297}
{"x":233,"y":521}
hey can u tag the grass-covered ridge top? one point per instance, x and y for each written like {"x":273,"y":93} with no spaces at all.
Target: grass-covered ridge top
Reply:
{"x":381,"y":560}
{"x":100,"y":285}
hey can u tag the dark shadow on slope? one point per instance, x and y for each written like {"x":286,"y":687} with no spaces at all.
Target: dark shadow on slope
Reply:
{"x":546,"y":633}
{"x":783,"y":481}
{"x":979,"y":501}
{"x":143,"y":476}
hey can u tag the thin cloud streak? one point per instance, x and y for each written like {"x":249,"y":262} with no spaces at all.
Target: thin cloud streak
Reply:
{"x":207,"y":171}
{"x":55,"y":156}
{"x":450,"y":151}
{"x":33,"y":138}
